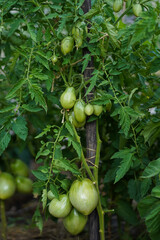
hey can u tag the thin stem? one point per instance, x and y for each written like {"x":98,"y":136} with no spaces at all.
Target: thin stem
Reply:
{"x":3,"y":220}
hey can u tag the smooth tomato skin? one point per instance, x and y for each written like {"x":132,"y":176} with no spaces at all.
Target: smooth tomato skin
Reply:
{"x":19,"y":168}
{"x":75,"y":222}
{"x":75,"y":123}
{"x":108,"y":106}
{"x":79,"y":113}
{"x":83,"y":196}
{"x":97,"y":110}
{"x":60,"y":208}
{"x":24,"y":185}
{"x":117,"y":5}
{"x":54,"y":59}
{"x":68,"y":98}
{"x":137,"y":9}
{"x":50,"y":195}
{"x":67,"y":45}
{"x":88,"y":109}
{"x":7,"y":185}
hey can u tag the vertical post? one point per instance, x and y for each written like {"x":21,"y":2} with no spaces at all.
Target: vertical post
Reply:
{"x":91,"y":138}
{"x":3,"y":220}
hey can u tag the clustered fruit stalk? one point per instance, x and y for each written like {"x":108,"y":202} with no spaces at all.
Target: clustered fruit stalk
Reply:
{"x":94,"y":178}
{"x":3,"y":220}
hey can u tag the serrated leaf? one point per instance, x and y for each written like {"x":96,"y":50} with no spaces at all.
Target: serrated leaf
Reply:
{"x":31,"y":108}
{"x":156,"y":192}
{"x":43,"y":61}
{"x":37,"y":219}
{"x":39,"y":175}
{"x":37,"y":94}
{"x":20,"y":128}
{"x":76,"y":145}
{"x":93,"y":80}
{"x":152,"y":169}
{"x":127,"y":157}
{"x":31,"y":31}
{"x":15,"y":88}
{"x":145,"y":186}
{"x":85,"y":62}
{"x":92,"y":12}
{"x":44,"y":198}
{"x":111,"y":30}
{"x":5,"y":138}
{"x":69,"y":128}
{"x":134,"y":187}
{"x":14,"y":26}
{"x":8,"y":108}
{"x":54,"y":190}
{"x":150,"y":130}
{"x":65,"y":165}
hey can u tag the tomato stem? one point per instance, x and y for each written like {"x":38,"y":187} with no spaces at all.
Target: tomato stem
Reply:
{"x":3,"y":220}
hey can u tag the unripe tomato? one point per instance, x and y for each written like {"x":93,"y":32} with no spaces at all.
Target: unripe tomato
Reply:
{"x":79,"y":113}
{"x":137,"y":9}
{"x":75,"y":222}
{"x":50,"y":195}
{"x":117,"y":5}
{"x":54,"y":59}
{"x":77,"y":32}
{"x":24,"y":185}
{"x":83,"y":196}
{"x":19,"y":168}
{"x":60,"y":208}
{"x":79,"y":42}
{"x":88,"y":109}
{"x":7,"y":185}
{"x":108,"y":105}
{"x":75,"y":123}
{"x":97,"y":110}
{"x":67,"y":45}
{"x":68,"y":98}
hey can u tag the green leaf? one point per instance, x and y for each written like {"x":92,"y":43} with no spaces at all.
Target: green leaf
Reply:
{"x":54,"y":190}
{"x":134,"y":189}
{"x":37,"y":219}
{"x":152,"y":169}
{"x":126,"y":212}
{"x":40,"y":175}
{"x":127,"y":158}
{"x":19,"y":127}
{"x":37,"y":94}
{"x":8,"y":108}
{"x":93,"y":80}
{"x":69,"y":127}
{"x":65,"y":165}
{"x":31,"y":31}
{"x":43,"y":61}
{"x":145,"y":186}
{"x":151,"y":132}
{"x":5,"y":138}
{"x":75,"y":145}
{"x":14,"y":26}
{"x":15,"y":88}
{"x":111,"y":30}
{"x":156,"y":191}
{"x":87,"y":58}
{"x":44,"y":198}
{"x":92,"y":12}
{"x":31,"y":108}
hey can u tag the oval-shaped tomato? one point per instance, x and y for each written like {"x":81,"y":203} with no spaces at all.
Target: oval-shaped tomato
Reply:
{"x":88,"y":109}
{"x":67,"y":45}
{"x":79,"y":42}
{"x":79,"y":113}
{"x":137,"y":9}
{"x":24,"y":185}
{"x":83,"y":196}
{"x":75,"y":222}
{"x":7,"y":185}
{"x":60,"y":208}
{"x":54,"y":59}
{"x":77,"y":124}
{"x":117,"y":5}
{"x":97,"y":110}
{"x":68,"y":98}
{"x":19,"y":168}
{"x":50,"y":195}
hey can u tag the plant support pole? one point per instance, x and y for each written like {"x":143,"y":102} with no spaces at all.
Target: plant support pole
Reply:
{"x":3,"y":220}
{"x":91,"y":138}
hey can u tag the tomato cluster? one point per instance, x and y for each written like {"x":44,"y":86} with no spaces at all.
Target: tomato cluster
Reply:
{"x":16,"y":180}
{"x":136,"y":6}
{"x":75,"y":206}
{"x":80,"y":109}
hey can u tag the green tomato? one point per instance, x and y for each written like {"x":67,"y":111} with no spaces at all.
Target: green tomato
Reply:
{"x":24,"y":185}
{"x":54,"y":59}
{"x":60,"y":208}
{"x":50,"y":195}
{"x":97,"y":110}
{"x":77,"y":124}
{"x":19,"y":168}
{"x":67,"y":45}
{"x":68,"y":98}
{"x":137,"y":9}
{"x":83,"y":196}
{"x":117,"y":5}
{"x":108,"y":105}
{"x":75,"y":222}
{"x":79,"y":42}
{"x":7,"y":185}
{"x":79,"y":113}
{"x":88,"y":109}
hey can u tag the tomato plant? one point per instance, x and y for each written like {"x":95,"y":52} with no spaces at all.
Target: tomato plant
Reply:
{"x":58,"y":57}
{"x":7,"y":185}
